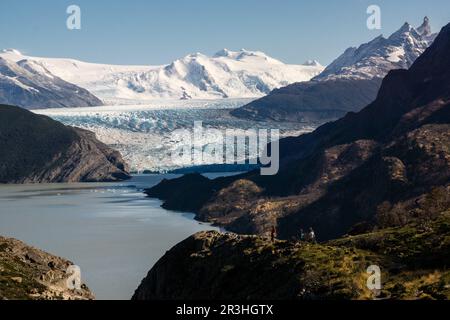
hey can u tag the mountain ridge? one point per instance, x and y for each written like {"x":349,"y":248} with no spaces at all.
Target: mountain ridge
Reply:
{"x":26,"y":84}
{"x":227,"y":74}
{"x":349,"y":83}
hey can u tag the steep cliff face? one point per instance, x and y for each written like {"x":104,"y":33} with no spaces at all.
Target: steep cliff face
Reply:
{"x":214,"y":266}
{"x":395,"y":150}
{"x":38,"y":149}
{"x":27,"y":273}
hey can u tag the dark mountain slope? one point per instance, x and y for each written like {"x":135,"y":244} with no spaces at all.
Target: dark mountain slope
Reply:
{"x":209,"y":266}
{"x":312,"y":100}
{"x":36,"y":149}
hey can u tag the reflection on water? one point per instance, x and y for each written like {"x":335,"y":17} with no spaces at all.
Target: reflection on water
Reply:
{"x":111,"y":230}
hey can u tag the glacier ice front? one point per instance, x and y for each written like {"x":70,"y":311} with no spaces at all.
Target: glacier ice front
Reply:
{"x":145,"y":134}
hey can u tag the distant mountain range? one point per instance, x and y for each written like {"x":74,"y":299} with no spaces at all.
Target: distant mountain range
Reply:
{"x":228,"y":74}
{"x":287,"y":92}
{"x":28,"y":84}
{"x":348,"y":84}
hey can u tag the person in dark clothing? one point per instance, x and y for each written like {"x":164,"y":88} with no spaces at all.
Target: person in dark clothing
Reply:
{"x":302,"y":235}
{"x":273,"y":234}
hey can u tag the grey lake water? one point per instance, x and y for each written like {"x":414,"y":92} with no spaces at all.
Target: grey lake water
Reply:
{"x":111,"y":230}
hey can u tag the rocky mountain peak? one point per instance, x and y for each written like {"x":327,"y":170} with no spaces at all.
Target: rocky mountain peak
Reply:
{"x":406,"y":30}
{"x":377,"y":57}
{"x":425,"y":28}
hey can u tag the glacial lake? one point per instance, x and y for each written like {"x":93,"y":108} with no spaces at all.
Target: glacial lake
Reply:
{"x":111,"y":230}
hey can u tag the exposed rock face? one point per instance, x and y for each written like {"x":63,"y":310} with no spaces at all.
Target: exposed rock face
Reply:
{"x":349,"y":83}
{"x":31,"y":86}
{"x":214,"y":266}
{"x":38,"y":149}
{"x":27,"y":273}
{"x":396,"y":150}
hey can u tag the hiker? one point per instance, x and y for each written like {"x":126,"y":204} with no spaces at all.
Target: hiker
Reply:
{"x":302,"y":235}
{"x":311,"y":235}
{"x":273,"y":233}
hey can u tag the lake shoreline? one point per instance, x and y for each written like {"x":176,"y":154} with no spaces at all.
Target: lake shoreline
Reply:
{"x":111,"y":230}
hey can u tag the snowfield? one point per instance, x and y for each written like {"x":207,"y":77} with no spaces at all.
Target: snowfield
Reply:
{"x":227,"y":74}
{"x":145,"y":134}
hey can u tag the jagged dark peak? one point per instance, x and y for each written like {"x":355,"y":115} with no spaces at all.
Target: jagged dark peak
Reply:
{"x":405,"y":27}
{"x":425,"y":28}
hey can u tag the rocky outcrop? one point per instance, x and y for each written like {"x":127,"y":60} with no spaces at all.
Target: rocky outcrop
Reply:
{"x":214,"y":266}
{"x":38,"y":149}
{"x":27,"y":273}
{"x":395,"y":151}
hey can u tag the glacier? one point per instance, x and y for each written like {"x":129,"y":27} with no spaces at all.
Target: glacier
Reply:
{"x":144,"y":134}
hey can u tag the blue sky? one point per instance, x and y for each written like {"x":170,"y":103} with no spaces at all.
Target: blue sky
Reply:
{"x":157,"y":32}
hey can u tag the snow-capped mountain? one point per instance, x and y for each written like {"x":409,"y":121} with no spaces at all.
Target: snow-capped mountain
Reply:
{"x":349,"y":83}
{"x":227,"y":74}
{"x":28,"y":84}
{"x":377,"y":57}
